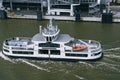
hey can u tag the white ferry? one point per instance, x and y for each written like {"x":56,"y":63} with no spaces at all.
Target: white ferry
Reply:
{"x":49,"y":44}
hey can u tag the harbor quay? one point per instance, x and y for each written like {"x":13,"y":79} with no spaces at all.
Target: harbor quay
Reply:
{"x":86,"y":19}
{"x":104,"y":11}
{"x":92,"y":19}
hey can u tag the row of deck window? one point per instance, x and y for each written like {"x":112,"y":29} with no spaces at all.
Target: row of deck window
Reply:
{"x":52,"y":52}
{"x":57,"y":52}
{"x":21,"y":52}
{"x":76,"y":55}
{"x":49,"y":45}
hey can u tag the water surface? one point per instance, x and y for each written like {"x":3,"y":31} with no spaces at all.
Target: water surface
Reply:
{"x":108,"y":68}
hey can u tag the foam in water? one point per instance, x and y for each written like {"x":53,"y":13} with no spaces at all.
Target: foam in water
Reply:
{"x":109,"y":60}
{"x":111,"y":66}
{"x":5,"y":57}
{"x":107,"y":64}
{"x":113,"y":49}
{"x":113,"y":56}
{"x":85,"y":63}
{"x":81,"y":78}
{"x":33,"y":65}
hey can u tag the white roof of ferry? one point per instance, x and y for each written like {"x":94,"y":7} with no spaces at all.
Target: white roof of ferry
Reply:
{"x":60,"y":38}
{"x":38,"y":37}
{"x":63,"y":38}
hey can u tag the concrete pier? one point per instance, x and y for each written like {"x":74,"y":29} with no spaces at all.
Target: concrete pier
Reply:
{"x":69,"y":18}
{"x":44,"y":17}
{"x":91,"y":19}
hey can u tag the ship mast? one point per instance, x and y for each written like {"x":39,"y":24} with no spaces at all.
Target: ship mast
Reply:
{"x":40,"y":27}
{"x":50,"y":33}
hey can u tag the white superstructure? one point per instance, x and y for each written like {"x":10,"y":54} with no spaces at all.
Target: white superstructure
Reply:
{"x":49,"y":44}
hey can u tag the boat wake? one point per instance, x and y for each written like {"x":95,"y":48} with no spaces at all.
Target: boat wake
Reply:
{"x":22,"y":60}
{"x":112,"y":53}
{"x":108,"y":65}
{"x":33,"y":65}
{"x":112,"y":49}
{"x":87,"y":64}
{"x":113,"y":56}
{"x":5,"y":57}
{"x":79,"y":77}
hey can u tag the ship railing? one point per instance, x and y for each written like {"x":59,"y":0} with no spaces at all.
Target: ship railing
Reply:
{"x":4,"y":46}
{"x":68,"y":48}
{"x":96,"y":50}
{"x":17,"y":41}
{"x":21,"y":48}
{"x":92,"y":49}
{"x":79,"y":51}
{"x":90,"y":41}
{"x":50,"y":29}
{"x":76,"y":52}
{"x":85,"y":50}
{"x":45,"y":33}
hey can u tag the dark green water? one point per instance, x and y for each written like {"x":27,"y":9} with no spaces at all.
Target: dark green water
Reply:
{"x":108,"y":68}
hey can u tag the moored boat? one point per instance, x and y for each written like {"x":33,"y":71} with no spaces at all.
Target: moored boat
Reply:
{"x":49,"y":44}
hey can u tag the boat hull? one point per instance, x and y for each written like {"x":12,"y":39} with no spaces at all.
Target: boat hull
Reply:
{"x":98,"y":57}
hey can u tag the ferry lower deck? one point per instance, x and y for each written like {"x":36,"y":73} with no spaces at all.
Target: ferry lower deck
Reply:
{"x":48,"y":51}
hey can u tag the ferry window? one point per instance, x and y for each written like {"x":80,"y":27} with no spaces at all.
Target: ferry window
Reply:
{"x":47,"y":39}
{"x":48,"y":45}
{"x":97,"y":53}
{"x":6,"y":50}
{"x":50,"y":39}
{"x":76,"y":55}
{"x":55,"y":52}
{"x":21,"y":52}
{"x":73,"y":55}
{"x":82,"y":55}
{"x":43,"y":52}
